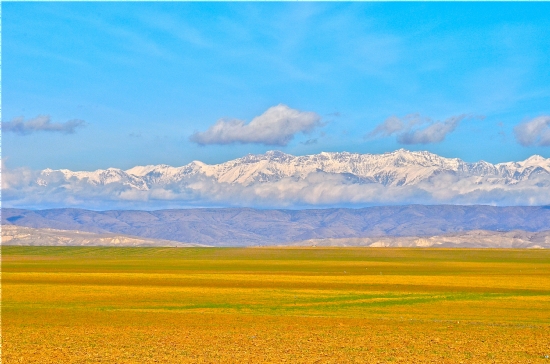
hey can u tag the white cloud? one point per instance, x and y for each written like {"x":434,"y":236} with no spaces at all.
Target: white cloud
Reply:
{"x":28,"y":189}
{"x":413,"y":129}
{"x":276,"y":126}
{"x":534,"y":132}
{"x":41,"y":123}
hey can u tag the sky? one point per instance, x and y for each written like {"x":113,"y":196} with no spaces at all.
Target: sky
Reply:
{"x":97,"y":85}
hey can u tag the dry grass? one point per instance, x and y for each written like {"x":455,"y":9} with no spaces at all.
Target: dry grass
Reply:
{"x":177,"y":305}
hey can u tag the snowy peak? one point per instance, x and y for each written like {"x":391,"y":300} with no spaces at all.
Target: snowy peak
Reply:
{"x":398,"y":168}
{"x":535,"y":159}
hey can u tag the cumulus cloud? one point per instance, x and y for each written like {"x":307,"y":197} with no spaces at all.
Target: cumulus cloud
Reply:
{"x":413,"y":129}
{"x":41,"y":123}
{"x":534,"y":132}
{"x":276,"y":126}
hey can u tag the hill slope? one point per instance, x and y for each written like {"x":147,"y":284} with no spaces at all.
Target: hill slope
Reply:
{"x":19,"y":235}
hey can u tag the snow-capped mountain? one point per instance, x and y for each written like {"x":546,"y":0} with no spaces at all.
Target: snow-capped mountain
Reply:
{"x":399,"y":168}
{"x":276,"y":179}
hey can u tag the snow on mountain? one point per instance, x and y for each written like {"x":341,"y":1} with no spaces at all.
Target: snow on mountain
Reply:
{"x":399,"y":168}
{"x":279,"y":179}
{"x":99,"y":177}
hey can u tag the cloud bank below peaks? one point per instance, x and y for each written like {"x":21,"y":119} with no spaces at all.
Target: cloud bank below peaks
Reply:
{"x":276,"y":126}
{"x":279,"y":180}
{"x":412,"y":129}
{"x":39,"y":124}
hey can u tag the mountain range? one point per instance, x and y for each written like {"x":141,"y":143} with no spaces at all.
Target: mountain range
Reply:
{"x":245,"y":226}
{"x":400,"y":168}
{"x":276,"y":179}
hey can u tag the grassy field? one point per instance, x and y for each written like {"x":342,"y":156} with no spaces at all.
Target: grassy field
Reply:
{"x":218,"y":305}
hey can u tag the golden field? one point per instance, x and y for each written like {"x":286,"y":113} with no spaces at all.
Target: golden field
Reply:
{"x":271,"y":305}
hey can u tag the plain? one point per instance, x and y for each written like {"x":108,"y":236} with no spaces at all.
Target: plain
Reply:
{"x":299,"y":305}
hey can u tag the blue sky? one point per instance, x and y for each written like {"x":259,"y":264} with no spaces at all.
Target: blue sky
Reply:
{"x":140,"y":79}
